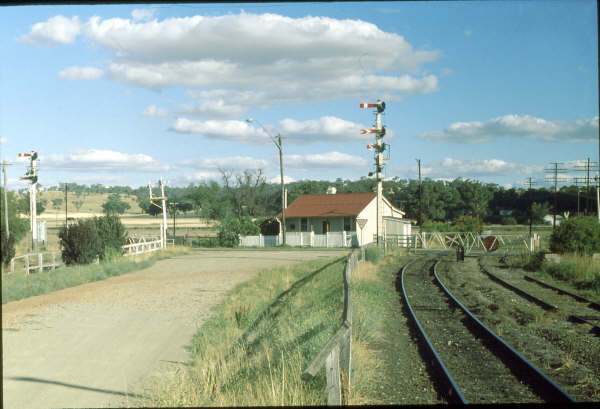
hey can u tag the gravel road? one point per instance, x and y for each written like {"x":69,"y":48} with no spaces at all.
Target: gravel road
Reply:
{"x":90,"y":345}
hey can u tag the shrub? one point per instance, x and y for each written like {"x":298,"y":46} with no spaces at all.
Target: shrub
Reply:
{"x":80,"y":242}
{"x":509,"y":221}
{"x":8,"y":247}
{"x":535,"y":261}
{"x":373,"y":254}
{"x":231,"y":228}
{"x":112,"y":235}
{"x":467,"y":223}
{"x":430,"y":226}
{"x":580,"y":234}
{"x":560,"y":271}
{"x":206,"y":242}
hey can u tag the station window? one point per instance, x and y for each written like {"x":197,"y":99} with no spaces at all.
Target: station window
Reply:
{"x":304,"y":224}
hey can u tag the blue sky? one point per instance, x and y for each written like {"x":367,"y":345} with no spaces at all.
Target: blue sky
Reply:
{"x":125,"y":94}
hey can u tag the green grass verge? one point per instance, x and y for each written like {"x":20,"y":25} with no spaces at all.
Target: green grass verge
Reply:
{"x":17,"y":286}
{"x":261,"y":338}
{"x":581,"y":271}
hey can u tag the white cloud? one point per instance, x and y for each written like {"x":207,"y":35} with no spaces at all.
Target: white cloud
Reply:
{"x":154,"y":111}
{"x":450,"y":168}
{"x":234,"y":162}
{"x":328,"y":160}
{"x":93,"y":160}
{"x":305,"y":59}
{"x":143,"y":14}
{"x":520,"y":126}
{"x":80,"y":73}
{"x":468,"y":33}
{"x":58,"y":29}
{"x":277,"y":179}
{"x":218,"y":109}
{"x":224,"y":130}
{"x":324,"y":129}
{"x":3,"y":141}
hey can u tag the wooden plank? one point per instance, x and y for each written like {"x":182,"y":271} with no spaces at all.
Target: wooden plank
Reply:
{"x":321,"y":357}
{"x":346,"y":365}
{"x":332,"y":367}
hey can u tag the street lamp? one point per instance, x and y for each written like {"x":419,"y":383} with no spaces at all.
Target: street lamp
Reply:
{"x":277,"y":142}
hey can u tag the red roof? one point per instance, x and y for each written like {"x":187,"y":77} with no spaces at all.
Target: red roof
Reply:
{"x":340,"y":204}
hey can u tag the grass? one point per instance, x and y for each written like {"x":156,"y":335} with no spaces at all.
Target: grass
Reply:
{"x":254,"y":349}
{"x":17,"y":286}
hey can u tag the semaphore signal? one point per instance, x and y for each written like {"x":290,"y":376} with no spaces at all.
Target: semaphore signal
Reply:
{"x":379,"y":147}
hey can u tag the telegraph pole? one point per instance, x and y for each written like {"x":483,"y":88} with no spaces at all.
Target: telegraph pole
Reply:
{"x":174,"y":206}
{"x":379,"y":147}
{"x":4,"y":165}
{"x":530,"y":182}
{"x":420,"y":198}
{"x":554,"y":179}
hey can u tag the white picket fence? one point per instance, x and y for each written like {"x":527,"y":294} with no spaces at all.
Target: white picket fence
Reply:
{"x":305,"y":239}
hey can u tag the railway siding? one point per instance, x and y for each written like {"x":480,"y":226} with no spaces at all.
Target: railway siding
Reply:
{"x":566,"y":352}
{"x":480,"y":373}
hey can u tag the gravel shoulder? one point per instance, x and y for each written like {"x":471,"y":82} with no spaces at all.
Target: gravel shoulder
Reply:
{"x":90,"y":345}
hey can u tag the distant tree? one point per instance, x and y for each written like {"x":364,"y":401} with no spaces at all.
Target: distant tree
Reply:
{"x":231,"y":228}
{"x":57,"y":203}
{"x":114,"y":205}
{"x":78,"y":203}
{"x":538,"y":211}
{"x":112,"y":235}
{"x":23,"y":204}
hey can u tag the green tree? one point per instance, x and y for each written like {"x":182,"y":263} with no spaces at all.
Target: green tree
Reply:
{"x":580,"y":234}
{"x":57,"y":203}
{"x":114,"y":205}
{"x":231,"y":228}
{"x":538,"y":211}
{"x":17,"y":227}
{"x":467,"y":223}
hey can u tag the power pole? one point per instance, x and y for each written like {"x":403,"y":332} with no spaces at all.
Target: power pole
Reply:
{"x":530,"y":182}
{"x":379,"y":146}
{"x":420,"y":198}
{"x":66,"y":204}
{"x":4,"y":165}
{"x":174,"y":206}
{"x":554,"y":179}
{"x":31,"y":176}
{"x":587,"y":167}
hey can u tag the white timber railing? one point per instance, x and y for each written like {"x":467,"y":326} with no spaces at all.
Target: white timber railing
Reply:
{"x":40,"y":261}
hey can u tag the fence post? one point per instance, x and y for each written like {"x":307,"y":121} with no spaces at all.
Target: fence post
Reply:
{"x":343,"y":238}
{"x":332,"y":368}
{"x":26,"y":264}
{"x":312,"y":238}
{"x":40,"y":261}
{"x":326,"y":239}
{"x":346,"y":364}
{"x":12,"y":265}
{"x":53,"y":261}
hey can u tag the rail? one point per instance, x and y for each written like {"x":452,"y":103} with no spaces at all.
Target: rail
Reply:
{"x":336,"y":354}
{"x":528,"y":373}
{"x":40,"y":262}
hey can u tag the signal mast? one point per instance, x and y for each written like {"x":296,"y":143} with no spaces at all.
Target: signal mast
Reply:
{"x":31,"y":176}
{"x":379,"y":147}
{"x":163,"y":198}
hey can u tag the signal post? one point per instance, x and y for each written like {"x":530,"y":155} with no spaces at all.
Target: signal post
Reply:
{"x":379,"y":147}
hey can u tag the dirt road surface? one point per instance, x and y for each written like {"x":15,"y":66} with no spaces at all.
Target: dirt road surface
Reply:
{"x":90,"y":345}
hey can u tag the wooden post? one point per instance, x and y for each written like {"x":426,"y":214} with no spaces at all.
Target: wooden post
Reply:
{"x":12,"y":265}
{"x":40,"y":261}
{"x":26,"y":264}
{"x":332,"y":368}
{"x":346,"y":365}
{"x":53,"y":260}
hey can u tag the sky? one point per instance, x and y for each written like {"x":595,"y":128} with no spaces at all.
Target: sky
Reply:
{"x":126,"y":94}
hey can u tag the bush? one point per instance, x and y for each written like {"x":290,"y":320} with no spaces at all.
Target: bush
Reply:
{"x":560,"y":271}
{"x":231,"y":228}
{"x":430,"y":226}
{"x":580,"y":234}
{"x":80,"y":242}
{"x":535,"y":261}
{"x":8,"y":247}
{"x":373,"y":254}
{"x":509,"y":221}
{"x":206,"y":242}
{"x":467,"y":223}
{"x":112,"y":235}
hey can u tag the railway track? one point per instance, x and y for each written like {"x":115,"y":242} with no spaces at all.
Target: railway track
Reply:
{"x":583,"y":315}
{"x":474,"y":364}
